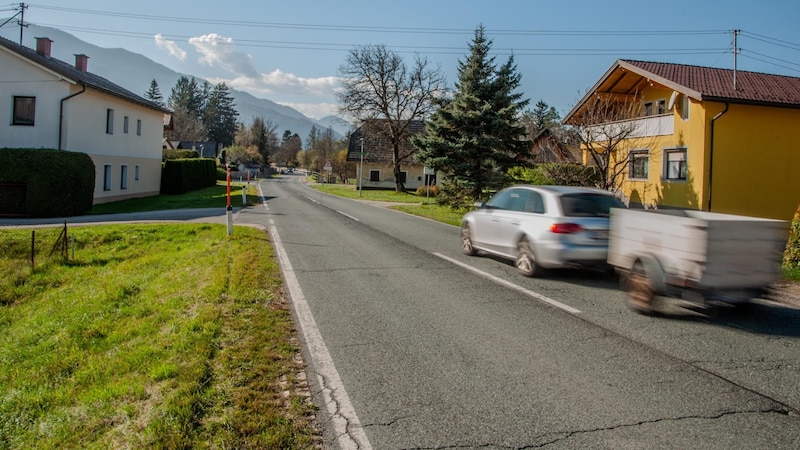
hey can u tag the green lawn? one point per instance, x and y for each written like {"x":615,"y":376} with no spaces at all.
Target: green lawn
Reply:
{"x":153,"y":336}
{"x":210,"y":197}
{"x":406,"y":202}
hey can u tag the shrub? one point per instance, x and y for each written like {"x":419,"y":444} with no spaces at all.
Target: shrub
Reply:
{"x":178,"y":154}
{"x":558,"y":174}
{"x":183,"y":175}
{"x":54,"y":183}
{"x":791,"y":257}
{"x":426,"y":191}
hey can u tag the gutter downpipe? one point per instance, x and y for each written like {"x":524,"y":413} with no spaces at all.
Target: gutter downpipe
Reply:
{"x":61,"y":113}
{"x":711,"y":152}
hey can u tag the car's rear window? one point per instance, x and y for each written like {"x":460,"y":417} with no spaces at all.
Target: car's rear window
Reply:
{"x":589,"y":205}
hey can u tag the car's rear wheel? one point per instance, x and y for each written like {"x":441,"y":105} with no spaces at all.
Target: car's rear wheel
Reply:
{"x":466,"y":241}
{"x":526,"y":260}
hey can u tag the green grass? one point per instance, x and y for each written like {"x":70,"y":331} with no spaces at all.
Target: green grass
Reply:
{"x":154,"y":336}
{"x":791,"y":273}
{"x":210,"y":197}
{"x":350,"y":191}
{"x":407,"y":202}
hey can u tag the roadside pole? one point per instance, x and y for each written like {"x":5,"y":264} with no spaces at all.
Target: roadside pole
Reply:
{"x":229,"y":209}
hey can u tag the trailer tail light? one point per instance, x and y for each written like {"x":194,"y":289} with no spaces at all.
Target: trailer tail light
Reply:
{"x":565,"y":228}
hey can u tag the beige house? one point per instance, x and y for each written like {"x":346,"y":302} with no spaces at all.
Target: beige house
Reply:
{"x":52,"y":104}
{"x":370,"y":143}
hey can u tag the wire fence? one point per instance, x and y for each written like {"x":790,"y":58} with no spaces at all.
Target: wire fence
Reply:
{"x":36,"y":245}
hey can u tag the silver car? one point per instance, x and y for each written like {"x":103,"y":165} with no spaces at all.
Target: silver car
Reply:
{"x":542,"y":227}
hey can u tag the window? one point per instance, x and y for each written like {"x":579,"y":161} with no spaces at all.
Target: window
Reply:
{"x":136,"y":173}
{"x":661,"y":106}
{"x":675,"y":164}
{"x":107,"y":177}
{"x":374,"y":175}
{"x":430,"y":179}
{"x":139,"y":127}
{"x":109,"y":121}
{"x":648,"y":109}
{"x":502,"y":200}
{"x":403,"y":176}
{"x":123,"y":177}
{"x":125,"y":124}
{"x":24,"y":111}
{"x":685,"y":107}
{"x":639,"y":162}
{"x":535,"y":204}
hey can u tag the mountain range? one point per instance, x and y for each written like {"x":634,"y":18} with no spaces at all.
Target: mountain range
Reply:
{"x":135,"y":72}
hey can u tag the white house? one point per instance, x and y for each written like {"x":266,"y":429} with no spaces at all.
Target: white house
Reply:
{"x":47,"y":103}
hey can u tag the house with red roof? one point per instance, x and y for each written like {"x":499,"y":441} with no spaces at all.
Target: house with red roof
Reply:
{"x":53,"y":104}
{"x":705,"y":138}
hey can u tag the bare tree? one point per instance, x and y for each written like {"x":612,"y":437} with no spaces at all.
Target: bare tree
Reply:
{"x":378,"y":86}
{"x":602,"y":128}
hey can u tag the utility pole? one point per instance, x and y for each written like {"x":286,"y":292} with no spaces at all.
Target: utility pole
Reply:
{"x":736,"y":51}
{"x":22,"y":8}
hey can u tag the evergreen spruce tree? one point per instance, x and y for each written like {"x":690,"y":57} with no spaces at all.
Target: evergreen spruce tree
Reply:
{"x":154,"y":93}
{"x":475,"y":137}
{"x":220,"y":115}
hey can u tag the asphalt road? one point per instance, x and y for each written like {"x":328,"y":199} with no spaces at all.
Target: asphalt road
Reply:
{"x":411,"y":344}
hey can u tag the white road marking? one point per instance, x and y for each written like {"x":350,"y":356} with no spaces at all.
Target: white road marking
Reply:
{"x":350,"y":434}
{"x":511,"y":285}
{"x":348,"y":215}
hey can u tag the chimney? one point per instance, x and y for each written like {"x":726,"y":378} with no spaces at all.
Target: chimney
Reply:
{"x":43,"y":46}
{"x":81,"y":62}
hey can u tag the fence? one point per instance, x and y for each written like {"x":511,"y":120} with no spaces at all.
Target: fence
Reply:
{"x":35,"y":245}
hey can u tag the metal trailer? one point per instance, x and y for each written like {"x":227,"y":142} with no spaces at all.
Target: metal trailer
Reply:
{"x":703,"y":257}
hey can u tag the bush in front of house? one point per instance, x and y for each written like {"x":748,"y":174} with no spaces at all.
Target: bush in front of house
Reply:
{"x":183,"y":175}
{"x":425,"y":191}
{"x":791,"y":257}
{"x":54,"y":183}
{"x":556,"y":173}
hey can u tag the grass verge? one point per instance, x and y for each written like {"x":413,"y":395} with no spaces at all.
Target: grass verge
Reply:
{"x":210,"y":197}
{"x":406,"y":202}
{"x":158,"y":336}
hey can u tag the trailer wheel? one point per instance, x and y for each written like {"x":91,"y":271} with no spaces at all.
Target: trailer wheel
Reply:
{"x":639,"y":291}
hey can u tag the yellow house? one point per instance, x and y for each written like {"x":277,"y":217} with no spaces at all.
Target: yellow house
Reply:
{"x":705,"y":138}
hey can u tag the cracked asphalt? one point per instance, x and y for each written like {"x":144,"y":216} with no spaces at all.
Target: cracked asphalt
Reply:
{"x":434,"y":356}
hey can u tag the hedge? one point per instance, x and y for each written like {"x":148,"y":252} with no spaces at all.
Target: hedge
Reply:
{"x":183,"y":175}
{"x":791,"y":257}
{"x":54,"y":183}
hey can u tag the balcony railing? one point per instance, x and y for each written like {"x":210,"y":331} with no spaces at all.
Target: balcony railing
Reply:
{"x":661,"y":125}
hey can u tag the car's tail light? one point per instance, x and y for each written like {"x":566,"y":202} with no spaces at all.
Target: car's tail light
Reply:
{"x":565,"y":228}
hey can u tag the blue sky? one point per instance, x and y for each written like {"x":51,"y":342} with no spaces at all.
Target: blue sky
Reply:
{"x":290,"y":51}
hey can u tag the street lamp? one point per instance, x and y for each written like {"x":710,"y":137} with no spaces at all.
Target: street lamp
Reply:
{"x":361,"y":169}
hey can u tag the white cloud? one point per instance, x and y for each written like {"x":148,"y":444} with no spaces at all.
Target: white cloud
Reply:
{"x":219,"y":50}
{"x":170,"y":46}
{"x":280,"y":82}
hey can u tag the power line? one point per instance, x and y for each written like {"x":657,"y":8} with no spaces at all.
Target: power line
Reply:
{"x":417,"y":49}
{"x":362,"y":28}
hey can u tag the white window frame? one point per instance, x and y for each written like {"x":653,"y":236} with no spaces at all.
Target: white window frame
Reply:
{"x":139,"y":127}
{"x":125,"y":124}
{"x":641,"y":153}
{"x":123,"y":177}
{"x":679,"y":171}
{"x":661,"y":106}
{"x":109,"y":121}
{"x":136,"y":173}
{"x":107,"y":177}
